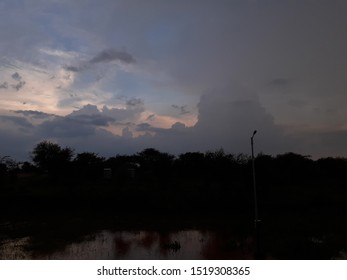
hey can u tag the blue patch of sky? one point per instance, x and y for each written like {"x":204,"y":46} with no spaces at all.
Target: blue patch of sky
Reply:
{"x":49,"y":20}
{"x":129,"y":83}
{"x":132,"y":85}
{"x":135,"y":85}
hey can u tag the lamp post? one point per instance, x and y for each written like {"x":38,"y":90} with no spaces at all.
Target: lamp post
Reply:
{"x":256,"y":217}
{"x":254,"y":184}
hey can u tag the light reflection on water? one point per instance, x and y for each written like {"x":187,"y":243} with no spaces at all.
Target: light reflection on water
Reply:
{"x":187,"y":244}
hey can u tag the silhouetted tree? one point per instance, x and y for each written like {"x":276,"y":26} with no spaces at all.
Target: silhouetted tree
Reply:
{"x":123,"y":167}
{"x":191,"y":165}
{"x":331,"y":170}
{"x":8,"y":169}
{"x":265,"y":169}
{"x":51,"y":158}
{"x":154,"y":163}
{"x":89,"y":165}
{"x":219,"y":165}
{"x":293,"y":168}
{"x":28,"y":167}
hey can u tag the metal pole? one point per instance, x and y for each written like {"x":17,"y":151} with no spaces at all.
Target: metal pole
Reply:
{"x":256,"y":217}
{"x":254,"y":184}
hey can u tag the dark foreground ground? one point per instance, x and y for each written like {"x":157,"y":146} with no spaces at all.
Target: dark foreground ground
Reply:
{"x":298,"y":221}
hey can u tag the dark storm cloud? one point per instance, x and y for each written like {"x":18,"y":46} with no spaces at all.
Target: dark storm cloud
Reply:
{"x":65,"y":127}
{"x":78,"y":124}
{"x":113,"y":55}
{"x":182,"y":109}
{"x":176,"y":127}
{"x":150,"y":117}
{"x":34,"y":114}
{"x":16,"y":76}
{"x":144,"y":127}
{"x":224,"y":122}
{"x":17,"y":121}
{"x":90,"y":114}
{"x":4,"y":85}
{"x":134,"y":102}
{"x":122,"y":114}
{"x":86,"y":110}
{"x":72,"y":68}
{"x":104,"y":56}
{"x":134,"y":107}
{"x":96,"y":120}
{"x":19,"y":85}
{"x":228,"y":116}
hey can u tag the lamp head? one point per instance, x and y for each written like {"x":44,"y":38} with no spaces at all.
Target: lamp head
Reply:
{"x":254,"y":132}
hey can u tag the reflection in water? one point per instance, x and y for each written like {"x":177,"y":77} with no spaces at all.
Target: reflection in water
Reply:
{"x":13,"y":249}
{"x":188,"y":244}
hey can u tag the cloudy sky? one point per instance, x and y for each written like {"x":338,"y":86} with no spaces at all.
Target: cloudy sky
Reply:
{"x":118,"y":76}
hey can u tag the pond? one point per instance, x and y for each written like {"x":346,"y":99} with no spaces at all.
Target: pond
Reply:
{"x":106,"y":244}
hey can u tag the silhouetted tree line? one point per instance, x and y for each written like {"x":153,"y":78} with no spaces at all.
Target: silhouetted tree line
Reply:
{"x":209,"y":180}
{"x":151,"y":165}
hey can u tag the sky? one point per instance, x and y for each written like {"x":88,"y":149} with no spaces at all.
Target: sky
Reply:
{"x":118,"y":76}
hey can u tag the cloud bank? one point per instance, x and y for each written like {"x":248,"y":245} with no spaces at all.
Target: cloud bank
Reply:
{"x":224,"y":121}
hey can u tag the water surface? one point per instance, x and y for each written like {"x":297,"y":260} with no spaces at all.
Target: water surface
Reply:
{"x":103,"y":245}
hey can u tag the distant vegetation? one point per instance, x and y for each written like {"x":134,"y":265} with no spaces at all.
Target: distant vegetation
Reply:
{"x":152,"y":178}
{"x":153,"y":166}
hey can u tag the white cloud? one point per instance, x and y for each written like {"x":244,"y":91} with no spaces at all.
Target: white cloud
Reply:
{"x":61,"y":54}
